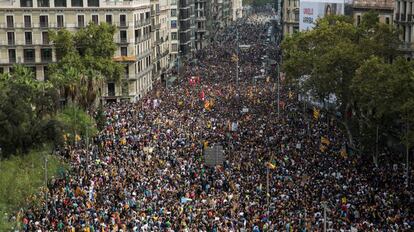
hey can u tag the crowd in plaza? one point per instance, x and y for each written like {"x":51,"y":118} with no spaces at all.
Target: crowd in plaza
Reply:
{"x":145,"y":171}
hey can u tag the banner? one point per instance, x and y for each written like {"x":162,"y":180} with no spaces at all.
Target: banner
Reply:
{"x":311,"y":10}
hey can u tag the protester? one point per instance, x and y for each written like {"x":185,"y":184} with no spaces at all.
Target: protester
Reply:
{"x":145,"y":170}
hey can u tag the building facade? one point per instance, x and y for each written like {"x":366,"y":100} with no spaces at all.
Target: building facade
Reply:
{"x":186,"y":27}
{"x":24,"y":37}
{"x":237,"y":9}
{"x":404,"y":21}
{"x":290,"y":17}
{"x":384,"y":8}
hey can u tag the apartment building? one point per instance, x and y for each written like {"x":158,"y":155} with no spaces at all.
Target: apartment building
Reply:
{"x":384,"y":8}
{"x":186,"y":27}
{"x":290,"y":16}
{"x":24,"y":26}
{"x":174,"y":42}
{"x":404,"y":20}
{"x":237,"y":9}
{"x":201,"y":34}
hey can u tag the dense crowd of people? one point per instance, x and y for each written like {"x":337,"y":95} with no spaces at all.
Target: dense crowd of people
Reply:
{"x":145,"y":171}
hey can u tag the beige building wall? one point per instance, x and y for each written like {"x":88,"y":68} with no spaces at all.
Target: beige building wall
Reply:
{"x":24,"y":39}
{"x":290,"y":17}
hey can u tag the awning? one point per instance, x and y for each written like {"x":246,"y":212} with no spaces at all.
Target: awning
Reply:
{"x":124,"y":58}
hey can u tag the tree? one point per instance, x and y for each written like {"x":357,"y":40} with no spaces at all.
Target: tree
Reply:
{"x":385,"y":96}
{"x":25,"y":105}
{"x":86,"y":61}
{"x":330,"y":53}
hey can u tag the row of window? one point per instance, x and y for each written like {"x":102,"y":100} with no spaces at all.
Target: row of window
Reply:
{"x":29,"y":55}
{"x":28,"y":38}
{"x":44,"y":20}
{"x":59,"y":3}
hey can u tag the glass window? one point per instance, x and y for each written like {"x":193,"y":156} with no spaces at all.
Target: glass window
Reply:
{"x":173,"y":13}
{"x":27,"y":21}
{"x":12,"y":55}
{"x":173,"y":23}
{"x":44,"y":21}
{"x":60,"y":3}
{"x":28,"y":37}
{"x":45,"y":37}
{"x":10,"y":21}
{"x":81,"y":20}
{"x":95,"y":19}
{"x":108,"y":19}
{"x":77,"y":2}
{"x":59,"y":20}
{"x":29,"y":55}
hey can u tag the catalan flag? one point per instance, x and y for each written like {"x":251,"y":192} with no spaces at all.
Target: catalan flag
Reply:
{"x":325,"y":141}
{"x":322,"y":148}
{"x":77,"y":138}
{"x":270,"y":165}
{"x":316,"y":113}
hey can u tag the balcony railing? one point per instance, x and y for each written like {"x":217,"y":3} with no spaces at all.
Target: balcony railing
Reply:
{"x":29,"y":59}
{"x":139,"y":23}
{"x":142,"y":38}
{"x":12,"y":60}
{"x":44,"y":24}
{"x":46,"y":59}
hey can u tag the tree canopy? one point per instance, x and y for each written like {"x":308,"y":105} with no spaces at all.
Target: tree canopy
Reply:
{"x":360,"y":65}
{"x":85,"y":61}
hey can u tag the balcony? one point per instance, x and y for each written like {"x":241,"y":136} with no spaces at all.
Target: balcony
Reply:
{"x":29,"y":60}
{"x":12,"y":60}
{"x":123,"y":24}
{"x":142,"y":38}
{"x":46,"y":59}
{"x":406,"y":47}
{"x":142,"y":23}
{"x":375,"y":5}
{"x":157,"y":26}
{"x":44,"y":25}
{"x":123,"y":40}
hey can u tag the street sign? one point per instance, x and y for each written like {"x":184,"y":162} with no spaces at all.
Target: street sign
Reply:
{"x":214,"y":156}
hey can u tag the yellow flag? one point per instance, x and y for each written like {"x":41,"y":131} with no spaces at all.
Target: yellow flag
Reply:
{"x":207,"y":105}
{"x":325,"y":141}
{"x":316,"y":113}
{"x":77,"y":138}
{"x":343,"y":153}
{"x":322,"y":148}
{"x":270,"y":165}
{"x":290,"y":95}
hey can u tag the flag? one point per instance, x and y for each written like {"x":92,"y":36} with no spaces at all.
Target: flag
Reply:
{"x":343,"y":153}
{"x":205,"y":144}
{"x":316,"y":113}
{"x":207,"y":105}
{"x":322,"y":148}
{"x":234,"y":58}
{"x":202,"y":95}
{"x":270,"y":166}
{"x":325,"y":141}
{"x":290,"y":95}
{"x":77,"y":138}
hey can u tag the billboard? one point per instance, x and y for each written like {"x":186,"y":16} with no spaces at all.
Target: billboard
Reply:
{"x":311,"y":10}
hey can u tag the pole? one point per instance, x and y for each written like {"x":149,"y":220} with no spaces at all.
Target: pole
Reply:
{"x":278,"y":91}
{"x":324,"y":216}
{"x":46,"y":197}
{"x":237,"y":61}
{"x":376,"y":148}
{"x":407,"y":152}
{"x":267,"y":190}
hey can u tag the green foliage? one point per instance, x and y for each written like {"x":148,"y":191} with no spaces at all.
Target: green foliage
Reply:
{"x":100,"y":118}
{"x":25,"y":106}
{"x":359,"y":65}
{"x":21,"y":179}
{"x":75,"y":121}
{"x":86,"y":60}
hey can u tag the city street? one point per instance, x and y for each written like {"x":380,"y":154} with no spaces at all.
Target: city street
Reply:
{"x":283,"y":171}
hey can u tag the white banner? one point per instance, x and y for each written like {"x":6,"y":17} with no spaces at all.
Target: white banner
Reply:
{"x":311,"y":10}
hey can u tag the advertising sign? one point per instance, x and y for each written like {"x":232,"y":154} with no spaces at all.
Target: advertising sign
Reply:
{"x":311,"y":10}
